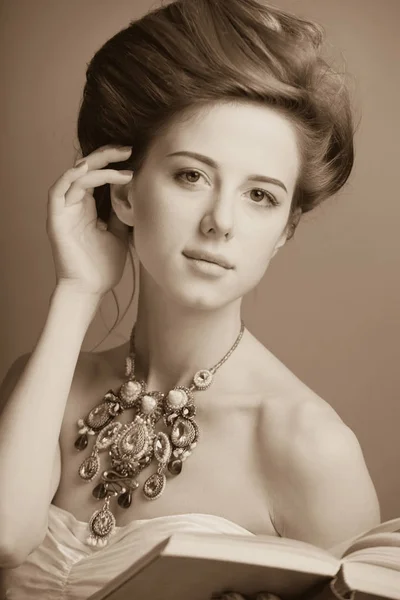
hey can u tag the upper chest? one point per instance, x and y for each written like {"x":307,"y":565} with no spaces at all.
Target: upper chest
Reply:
{"x":223,"y":475}
{"x":228,"y":473}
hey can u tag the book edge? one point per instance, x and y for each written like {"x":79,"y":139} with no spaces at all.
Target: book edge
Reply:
{"x":114,"y":584}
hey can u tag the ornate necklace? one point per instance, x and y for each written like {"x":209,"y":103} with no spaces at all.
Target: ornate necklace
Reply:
{"x":133,"y":446}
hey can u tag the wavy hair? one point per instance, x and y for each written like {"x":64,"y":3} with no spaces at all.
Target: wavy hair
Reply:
{"x":191,"y":53}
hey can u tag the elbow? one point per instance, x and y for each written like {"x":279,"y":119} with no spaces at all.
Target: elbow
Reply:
{"x":10,"y":559}
{"x":14,"y":553}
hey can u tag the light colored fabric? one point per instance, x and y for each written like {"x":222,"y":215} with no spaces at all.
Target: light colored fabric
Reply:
{"x":63,"y":567}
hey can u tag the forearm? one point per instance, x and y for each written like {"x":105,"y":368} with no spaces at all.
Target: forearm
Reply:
{"x":31,"y":420}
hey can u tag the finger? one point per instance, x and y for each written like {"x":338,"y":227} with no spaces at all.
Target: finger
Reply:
{"x":79,"y":188}
{"x":62,"y":185}
{"x":102,"y":225}
{"x":104,"y":155}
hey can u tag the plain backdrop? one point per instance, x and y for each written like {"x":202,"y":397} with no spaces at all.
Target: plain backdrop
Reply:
{"x":328,"y":305}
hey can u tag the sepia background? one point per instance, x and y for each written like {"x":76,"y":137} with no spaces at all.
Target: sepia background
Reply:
{"x":328,"y":306}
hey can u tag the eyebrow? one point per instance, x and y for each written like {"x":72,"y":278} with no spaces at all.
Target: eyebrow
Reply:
{"x":209,"y":161}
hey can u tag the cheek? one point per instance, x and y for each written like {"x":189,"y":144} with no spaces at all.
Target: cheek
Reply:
{"x":258,"y":247}
{"x":158,"y":226}
{"x":156,"y":209}
{"x":256,"y":253}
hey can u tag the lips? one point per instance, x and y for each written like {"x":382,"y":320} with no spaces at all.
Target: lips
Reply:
{"x":217,"y":259}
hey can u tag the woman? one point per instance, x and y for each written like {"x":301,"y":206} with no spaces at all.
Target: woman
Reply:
{"x":232,"y":126}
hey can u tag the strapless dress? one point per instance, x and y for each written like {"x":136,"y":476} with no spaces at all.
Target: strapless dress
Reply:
{"x":63,"y":567}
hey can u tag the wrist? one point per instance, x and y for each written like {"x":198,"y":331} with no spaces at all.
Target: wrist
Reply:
{"x":81,"y":301}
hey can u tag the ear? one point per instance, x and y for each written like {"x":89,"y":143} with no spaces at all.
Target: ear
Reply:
{"x":122,"y":201}
{"x":289,"y":230}
{"x":281,"y":242}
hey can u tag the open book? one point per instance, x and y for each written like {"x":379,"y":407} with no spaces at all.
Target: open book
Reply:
{"x":196,"y":566}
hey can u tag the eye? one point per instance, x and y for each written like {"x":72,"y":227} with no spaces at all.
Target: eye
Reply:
{"x":261,"y":195}
{"x":189,"y":176}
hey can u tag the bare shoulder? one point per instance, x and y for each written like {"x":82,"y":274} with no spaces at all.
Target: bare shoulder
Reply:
{"x":321,"y":490}
{"x":95,"y":374}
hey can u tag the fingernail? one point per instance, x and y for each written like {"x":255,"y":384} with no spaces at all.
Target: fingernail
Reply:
{"x":127,"y":173}
{"x":80,"y":162}
{"x":124,"y":148}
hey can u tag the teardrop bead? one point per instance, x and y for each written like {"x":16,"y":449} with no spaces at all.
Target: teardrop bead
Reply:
{"x":154,"y":486}
{"x":81,"y":442}
{"x":134,"y":441}
{"x":89,"y":468}
{"x":102,"y":523}
{"x":184,"y":432}
{"x":99,"y":416}
{"x":125,"y":499}
{"x":100,"y":491}
{"x":108,"y":435}
{"x":162,"y":447}
{"x":175,"y":466}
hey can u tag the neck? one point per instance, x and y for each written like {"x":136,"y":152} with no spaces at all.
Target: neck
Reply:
{"x":173,"y":342}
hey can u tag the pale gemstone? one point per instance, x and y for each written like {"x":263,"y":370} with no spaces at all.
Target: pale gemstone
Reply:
{"x":148,"y":404}
{"x":162,"y":448}
{"x":131,"y":388}
{"x":154,"y":485}
{"x":160,"y":445}
{"x":183,"y":431}
{"x":177,"y":398}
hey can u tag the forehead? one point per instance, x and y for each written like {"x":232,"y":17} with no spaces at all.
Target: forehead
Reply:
{"x":237,"y":135}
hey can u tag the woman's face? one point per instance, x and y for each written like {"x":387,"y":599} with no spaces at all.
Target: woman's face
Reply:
{"x":219,"y":183}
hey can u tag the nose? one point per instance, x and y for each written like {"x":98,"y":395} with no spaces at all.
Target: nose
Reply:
{"x":218,"y":221}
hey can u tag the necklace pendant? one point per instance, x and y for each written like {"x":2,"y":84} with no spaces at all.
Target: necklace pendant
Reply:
{"x":203,"y":379}
{"x":133,"y":441}
{"x":149,"y":406}
{"x":101,"y":415}
{"x":90,"y":467}
{"x":185,"y":432}
{"x":129,"y":392}
{"x":132,"y":446}
{"x":101,"y":526}
{"x":154,"y":486}
{"x":177,"y":398}
{"x":162,"y":448}
{"x":108,"y":435}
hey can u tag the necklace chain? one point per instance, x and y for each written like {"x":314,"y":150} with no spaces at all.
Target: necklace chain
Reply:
{"x":211,"y":370}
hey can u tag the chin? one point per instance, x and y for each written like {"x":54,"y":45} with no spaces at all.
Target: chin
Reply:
{"x":202,"y":298}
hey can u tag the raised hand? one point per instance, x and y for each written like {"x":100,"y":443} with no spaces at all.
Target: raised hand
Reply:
{"x":87,"y":254}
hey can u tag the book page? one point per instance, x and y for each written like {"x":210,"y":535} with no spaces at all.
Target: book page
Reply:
{"x":342,"y":549}
{"x":260,"y":549}
{"x":387,"y":557}
{"x":374,"y":540}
